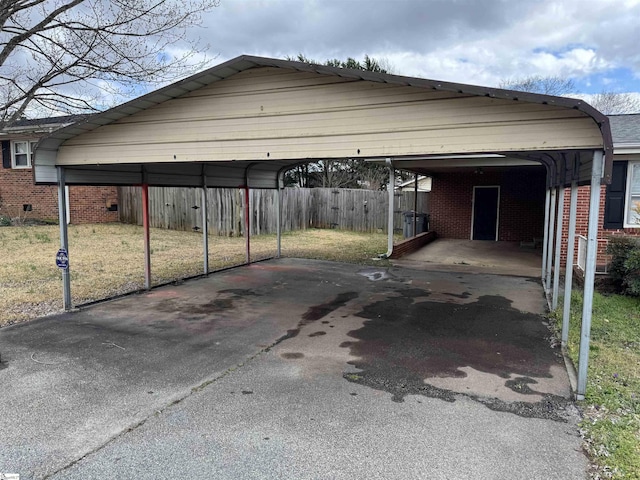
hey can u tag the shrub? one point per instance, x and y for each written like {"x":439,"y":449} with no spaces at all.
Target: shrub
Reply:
{"x":5,"y":221}
{"x":625,"y":264}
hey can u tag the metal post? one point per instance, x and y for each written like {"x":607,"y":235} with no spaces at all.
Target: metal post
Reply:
{"x":552,"y":221}
{"x":556,"y":271}
{"x":589,"y":271}
{"x":390,"y":190}
{"x":568,"y":275}
{"x":205,"y":229}
{"x":415,"y":206}
{"x":64,"y":237}
{"x":545,"y":240}
{"x":278,"y":220}
{"x":145,"y":228}
{"x":247,"y":224}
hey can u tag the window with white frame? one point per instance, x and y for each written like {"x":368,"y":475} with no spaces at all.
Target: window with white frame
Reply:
{"x":632,"y":200}
{"x":22,"y":153}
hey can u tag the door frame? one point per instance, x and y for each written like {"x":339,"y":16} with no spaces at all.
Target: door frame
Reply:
{"x":473,"y":209}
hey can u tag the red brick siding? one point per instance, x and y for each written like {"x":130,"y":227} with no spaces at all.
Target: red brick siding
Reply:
{"x":522,"y":193}
{"x":582,"y":224}
{"x":87,"y":204}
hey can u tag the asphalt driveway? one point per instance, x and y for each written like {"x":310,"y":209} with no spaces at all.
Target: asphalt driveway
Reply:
{"x":294,"y":369}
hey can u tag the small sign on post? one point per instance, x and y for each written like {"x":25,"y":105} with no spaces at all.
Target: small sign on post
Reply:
{"x":62,"y":259}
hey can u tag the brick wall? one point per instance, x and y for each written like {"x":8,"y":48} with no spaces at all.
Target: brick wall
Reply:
{"x":412,"y":244}
{"x":582,"y":224}
{"x":522,"y":191}
{"x":87,"y":204}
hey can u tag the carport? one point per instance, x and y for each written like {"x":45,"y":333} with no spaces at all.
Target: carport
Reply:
{"x":245,"y":122}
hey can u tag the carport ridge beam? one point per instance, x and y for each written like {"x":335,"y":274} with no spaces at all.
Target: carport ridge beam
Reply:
{"x":556,"y":267}
{"x":568,"y":276}
{"x":64,"y":237}
{"x":597,"y":172}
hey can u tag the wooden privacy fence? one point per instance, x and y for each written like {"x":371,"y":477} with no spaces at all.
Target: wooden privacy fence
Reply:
{"x":179,"y":208}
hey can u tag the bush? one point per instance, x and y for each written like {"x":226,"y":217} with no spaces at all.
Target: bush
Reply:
{"x":5,"y":221}
{"x":624,"y":268}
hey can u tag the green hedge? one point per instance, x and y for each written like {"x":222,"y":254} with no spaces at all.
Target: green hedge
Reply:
{"x":624,"y":268}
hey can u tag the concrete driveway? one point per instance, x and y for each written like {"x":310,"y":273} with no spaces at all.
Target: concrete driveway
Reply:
{"x":294,"y":369}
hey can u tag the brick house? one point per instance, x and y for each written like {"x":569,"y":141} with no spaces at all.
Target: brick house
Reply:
{"x":619,"y":201}
{"x":506,"y":202}
{"x":19,"y":197}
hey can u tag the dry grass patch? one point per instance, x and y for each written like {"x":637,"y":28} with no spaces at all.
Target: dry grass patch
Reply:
{"x":108,"y":260}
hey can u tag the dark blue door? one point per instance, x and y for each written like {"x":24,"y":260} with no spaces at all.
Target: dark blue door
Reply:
{"x":485,"y":213}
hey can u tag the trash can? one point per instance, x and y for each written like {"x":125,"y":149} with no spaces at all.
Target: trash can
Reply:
{"x":422,"y":223}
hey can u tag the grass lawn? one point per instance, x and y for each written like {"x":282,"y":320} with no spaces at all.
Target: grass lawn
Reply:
{"x":108,"y":260}
{"x":611,"y":425}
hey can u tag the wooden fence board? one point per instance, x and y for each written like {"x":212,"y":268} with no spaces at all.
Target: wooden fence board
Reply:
{"x":346,"y":209}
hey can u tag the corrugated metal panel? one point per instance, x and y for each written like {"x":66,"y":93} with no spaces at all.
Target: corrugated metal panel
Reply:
{"x":299,"y":111}
{"x":302,"y":121}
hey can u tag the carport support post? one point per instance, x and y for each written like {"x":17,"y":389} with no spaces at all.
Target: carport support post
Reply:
{"x":415,"y":205}
{"x":145,"y":228}
{"x":64,"y":238}
{"x":568,"y":275}
{"x":247,"y":224}
{"x":552,"y":221}
{"x":556,"y":271}
{"x":278,"y":220}
{"x":545,"y":241}
{"x":391,"y":191}
{"x":205,"y":229}
{"x":589,"y":271}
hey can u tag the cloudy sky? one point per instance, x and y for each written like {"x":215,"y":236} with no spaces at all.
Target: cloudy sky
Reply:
{"x":482,"y":42}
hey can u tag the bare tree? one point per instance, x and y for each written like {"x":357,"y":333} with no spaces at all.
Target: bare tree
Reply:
{"x":53,"y":53}
{"x":611,"y":103}
{"x":539,"y":84}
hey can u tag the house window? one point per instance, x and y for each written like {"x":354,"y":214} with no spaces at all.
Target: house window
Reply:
{"x":632,"y":217}
{"x":22,"y":153}
{"x":622,"y":205}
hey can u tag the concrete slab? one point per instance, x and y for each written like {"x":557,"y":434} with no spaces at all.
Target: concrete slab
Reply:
{"x":297,"y":369}
{"x":475,"y":256}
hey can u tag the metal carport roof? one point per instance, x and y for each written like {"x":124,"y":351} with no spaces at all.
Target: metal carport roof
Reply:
{"x":566,"y":161}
